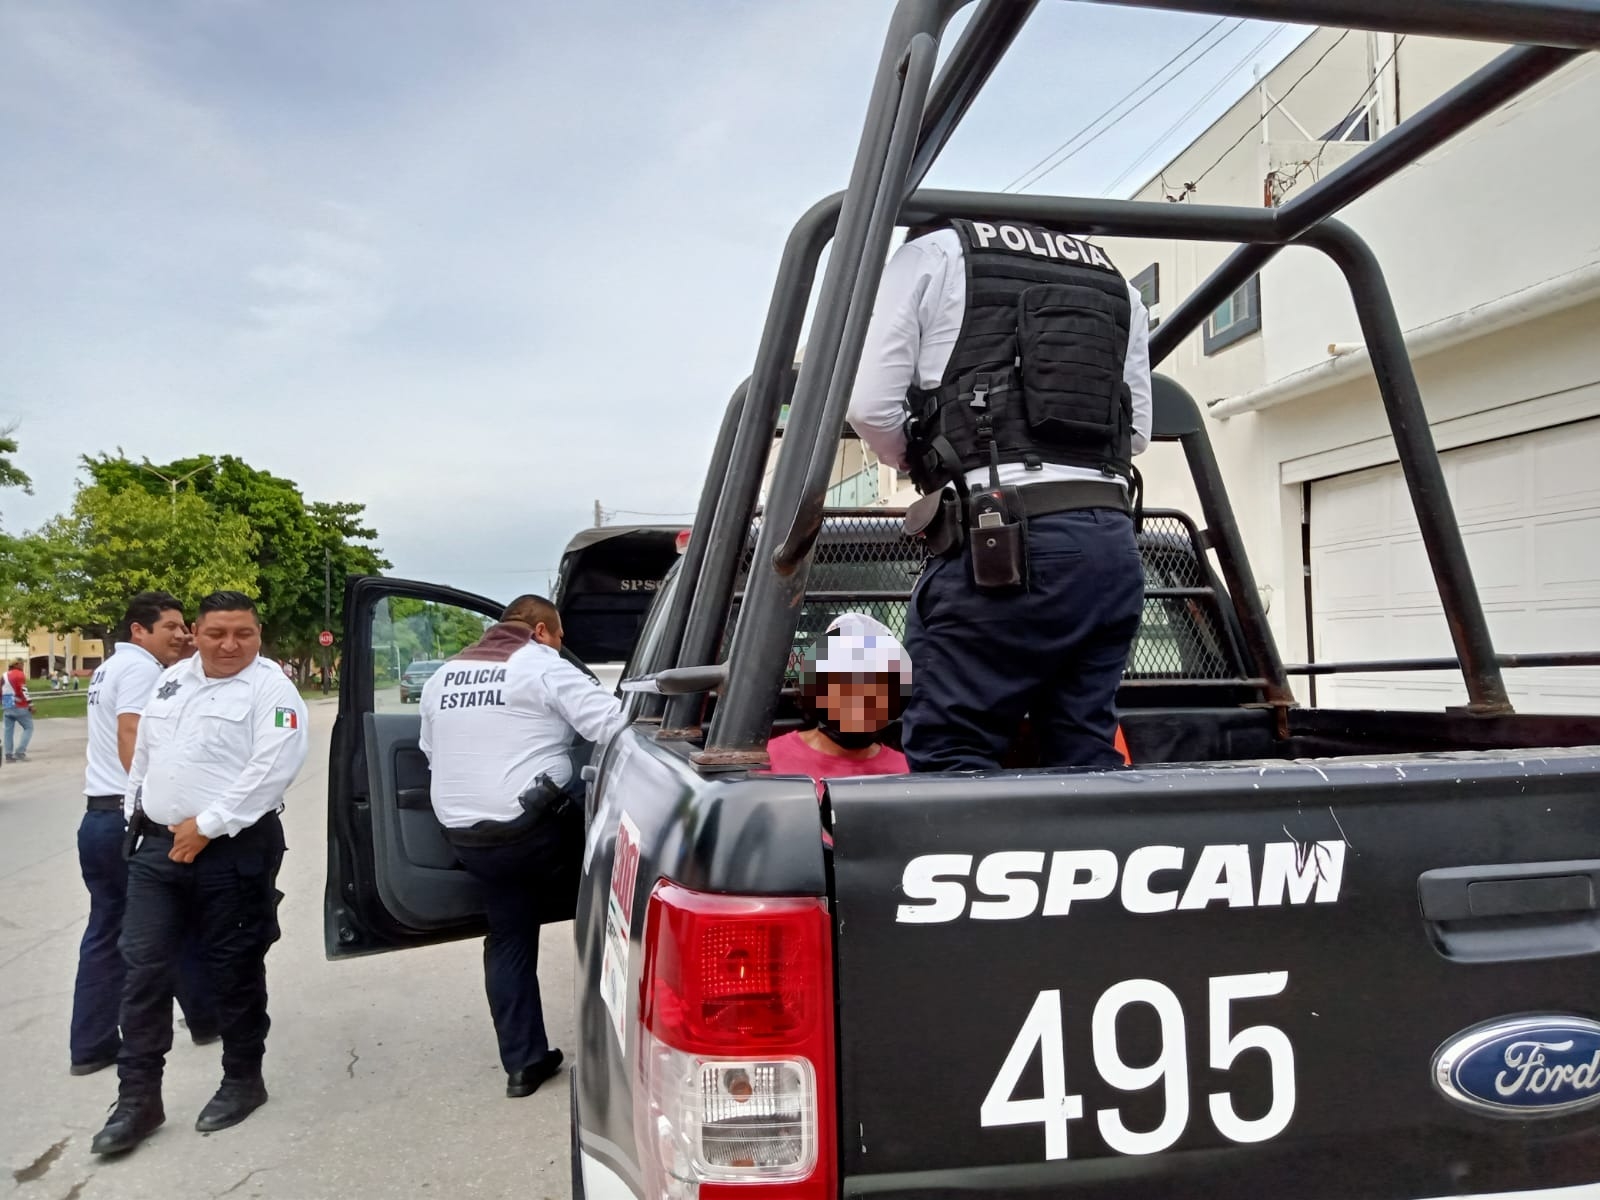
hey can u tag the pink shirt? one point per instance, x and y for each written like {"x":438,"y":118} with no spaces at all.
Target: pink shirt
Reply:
{"x":791,"y":756}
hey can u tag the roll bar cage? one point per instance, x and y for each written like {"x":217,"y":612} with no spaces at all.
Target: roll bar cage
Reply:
{"x":910,"y":118}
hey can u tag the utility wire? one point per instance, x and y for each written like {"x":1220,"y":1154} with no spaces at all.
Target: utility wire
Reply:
{"x":1140,"y":86}
{"x":1194,"y":108}
{"x":628,"y":512}
{"x":1276,"y":104}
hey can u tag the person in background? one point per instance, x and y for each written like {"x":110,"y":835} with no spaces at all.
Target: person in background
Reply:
{"x":18,"y":712}
{"x":154,"y":636}
{"x":853,"y":686}
{"x":220,"y":742}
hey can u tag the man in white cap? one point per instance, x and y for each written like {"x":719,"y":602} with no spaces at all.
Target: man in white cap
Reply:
{"x":852,"y":685}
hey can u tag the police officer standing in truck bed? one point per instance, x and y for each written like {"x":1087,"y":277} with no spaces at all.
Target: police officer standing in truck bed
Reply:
{"x":497,"y":724}
{"x":221,"y":740}
{"x":1006,"y":367}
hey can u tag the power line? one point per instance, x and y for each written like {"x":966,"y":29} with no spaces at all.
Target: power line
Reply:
{"x":1193,"y":108}
{"x":1136,"y":89}
{"x":1276,"y":104}
{"x":629,"y":512}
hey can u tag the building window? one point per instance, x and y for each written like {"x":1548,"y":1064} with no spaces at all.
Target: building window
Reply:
{"x":1148,"y":284}
{"x":1235,"y":318}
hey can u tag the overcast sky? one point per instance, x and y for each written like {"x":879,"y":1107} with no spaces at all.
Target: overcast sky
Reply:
{"x":475,"y":264}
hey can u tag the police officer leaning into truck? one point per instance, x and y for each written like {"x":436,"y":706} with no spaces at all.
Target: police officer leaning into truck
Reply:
{"x":154,"y":637}
{"x":220,"y":742}
{"x":497,"y":724}
{"x":1006,"y":367}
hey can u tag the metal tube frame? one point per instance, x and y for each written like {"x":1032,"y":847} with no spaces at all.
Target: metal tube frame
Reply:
{"x":676,"y":618}
{"x":889,"y":162}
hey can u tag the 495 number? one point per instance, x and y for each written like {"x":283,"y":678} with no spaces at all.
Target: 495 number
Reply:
{"x":1041,"y":1033}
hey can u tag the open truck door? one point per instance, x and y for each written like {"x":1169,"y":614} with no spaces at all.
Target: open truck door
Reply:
{"x":393,"y":879}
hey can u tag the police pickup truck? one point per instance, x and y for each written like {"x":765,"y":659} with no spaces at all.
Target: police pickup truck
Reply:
{"x":1288,"y":951}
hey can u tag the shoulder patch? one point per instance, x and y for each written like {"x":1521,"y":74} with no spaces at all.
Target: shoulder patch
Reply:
{"x":285,"y":718}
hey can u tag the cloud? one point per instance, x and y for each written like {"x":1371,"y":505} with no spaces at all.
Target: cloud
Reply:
{"x":474,"y":265}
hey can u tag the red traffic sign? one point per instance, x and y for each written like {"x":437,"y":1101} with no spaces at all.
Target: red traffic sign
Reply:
{"x":325,"y":638}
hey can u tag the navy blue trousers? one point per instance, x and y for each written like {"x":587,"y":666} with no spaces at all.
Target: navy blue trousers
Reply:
{"x":1054,"y":653}
{"x":515,"y":883}
{"x":97,"y":995}
{"x":226,"y":899}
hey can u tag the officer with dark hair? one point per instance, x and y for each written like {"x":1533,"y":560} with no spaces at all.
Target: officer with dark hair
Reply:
{"x":221,"y":740}
{"x":1006,"y":368}
{"x":498,"y":721}
{"x":154,"y":636}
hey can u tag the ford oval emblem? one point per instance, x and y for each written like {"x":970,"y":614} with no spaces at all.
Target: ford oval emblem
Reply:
{"x":1525,"y":1067}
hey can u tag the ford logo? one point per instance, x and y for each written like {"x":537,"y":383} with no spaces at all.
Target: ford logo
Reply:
{"x":1534,"y":1066}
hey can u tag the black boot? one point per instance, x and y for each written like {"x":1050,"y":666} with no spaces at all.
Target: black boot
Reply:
{"x":235,"y":1100}
{"x":526,"y":1081}
{"x":136,"y":1117}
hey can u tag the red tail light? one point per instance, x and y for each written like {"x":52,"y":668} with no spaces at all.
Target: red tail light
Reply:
{"x":683,"y":540}
{"x":735,"y":1093}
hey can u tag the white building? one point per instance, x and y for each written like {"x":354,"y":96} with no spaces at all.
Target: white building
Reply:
{"x":1491,"y":247}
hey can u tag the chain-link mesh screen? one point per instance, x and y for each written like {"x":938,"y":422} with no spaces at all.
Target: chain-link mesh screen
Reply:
{"x":865,"y":564}
{"x":1180,"y":637}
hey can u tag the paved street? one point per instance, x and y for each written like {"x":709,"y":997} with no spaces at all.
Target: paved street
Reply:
{"x":382,"y":1070}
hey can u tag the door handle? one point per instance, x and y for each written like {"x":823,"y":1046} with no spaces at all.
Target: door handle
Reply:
{"x":1514,"y":911}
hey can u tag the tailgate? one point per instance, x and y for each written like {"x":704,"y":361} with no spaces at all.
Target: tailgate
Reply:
{"x":1222,"y":982}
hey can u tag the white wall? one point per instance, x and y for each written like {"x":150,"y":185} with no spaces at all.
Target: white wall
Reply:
{"x":1503,"y":206}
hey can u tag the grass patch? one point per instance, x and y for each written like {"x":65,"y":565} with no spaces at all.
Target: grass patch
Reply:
{"x":68,"y":704}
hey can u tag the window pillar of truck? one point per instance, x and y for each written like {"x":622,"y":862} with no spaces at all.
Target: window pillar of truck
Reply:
{"x":862,"y":243}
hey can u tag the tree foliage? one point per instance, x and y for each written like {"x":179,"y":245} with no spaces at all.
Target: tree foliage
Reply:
{"x":188,"y":527}
{"x":85,"y":563}
{"x":301,"y":547}
{"x":12,"y":476}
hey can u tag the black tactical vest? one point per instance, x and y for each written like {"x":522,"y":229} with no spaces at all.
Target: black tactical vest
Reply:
{"x":1037,"y":367}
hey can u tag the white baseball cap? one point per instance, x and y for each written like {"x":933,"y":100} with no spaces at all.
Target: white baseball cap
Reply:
{"x":859,"y":644}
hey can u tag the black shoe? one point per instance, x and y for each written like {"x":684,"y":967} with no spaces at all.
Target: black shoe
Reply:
{"x":134,"y":1119}
{"x":526,"y":1081}
{"x":204,"y":1039}
{"x":235,"y":1100}
{"x":98,"y":1064}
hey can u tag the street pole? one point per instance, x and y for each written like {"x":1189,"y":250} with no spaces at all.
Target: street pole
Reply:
{"x":327,"y":614}
{"x":599,"y":515}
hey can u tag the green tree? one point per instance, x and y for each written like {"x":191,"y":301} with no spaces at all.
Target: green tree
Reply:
{"x":115,"y":543}
{"x":12,"y":476}
{"x":21,"y":569}
{"x":343,"y":548}
{"x":299,"y":544}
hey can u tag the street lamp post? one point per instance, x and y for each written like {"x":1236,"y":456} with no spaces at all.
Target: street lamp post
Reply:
{"x":172,"y":484}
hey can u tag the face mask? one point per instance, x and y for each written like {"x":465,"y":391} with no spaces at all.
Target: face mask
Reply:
{"x":848,"y":740}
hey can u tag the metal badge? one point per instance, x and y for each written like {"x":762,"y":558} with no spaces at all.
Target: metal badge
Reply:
{"x":1523,"y":1067}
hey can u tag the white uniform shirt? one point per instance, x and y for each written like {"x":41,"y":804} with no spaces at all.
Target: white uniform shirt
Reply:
{"x":221,"y":750}
{"x":491,"y":727}
{"x":915,"y":322}
{"x":123,"y":685}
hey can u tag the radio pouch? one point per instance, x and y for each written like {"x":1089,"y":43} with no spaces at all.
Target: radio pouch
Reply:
{"x":997,"y":538}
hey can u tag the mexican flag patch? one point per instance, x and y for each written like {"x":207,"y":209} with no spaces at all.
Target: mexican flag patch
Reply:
{"x":286,"y":718}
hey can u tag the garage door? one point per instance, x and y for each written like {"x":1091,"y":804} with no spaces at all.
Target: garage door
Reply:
{"x":1529,"y":509}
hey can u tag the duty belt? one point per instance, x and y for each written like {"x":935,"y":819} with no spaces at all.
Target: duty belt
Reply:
{"x":1065,"y":495}
{"x":105,"y":803}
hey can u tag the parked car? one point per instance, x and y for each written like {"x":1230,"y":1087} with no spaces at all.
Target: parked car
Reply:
{"x":414,"y":676}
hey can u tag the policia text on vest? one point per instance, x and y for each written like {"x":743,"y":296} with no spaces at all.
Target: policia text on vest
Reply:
{"x":1021,"y":437}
